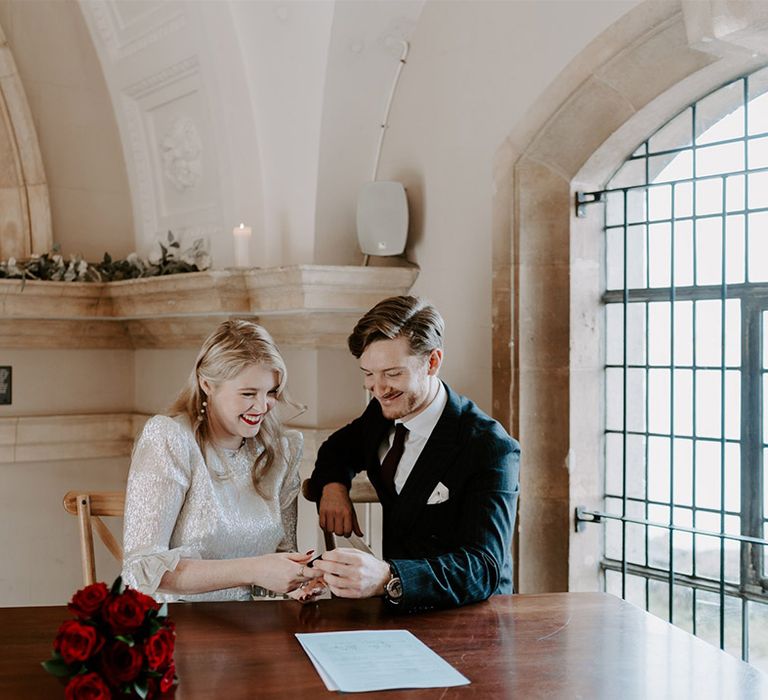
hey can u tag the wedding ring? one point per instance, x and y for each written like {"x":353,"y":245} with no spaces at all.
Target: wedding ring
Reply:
{"x":301,"y":571}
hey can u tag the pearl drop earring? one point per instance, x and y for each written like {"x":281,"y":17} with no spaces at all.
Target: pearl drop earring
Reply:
{"x":202,"y":410}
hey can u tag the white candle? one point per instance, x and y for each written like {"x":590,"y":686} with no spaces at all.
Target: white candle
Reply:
{"x":242,"y":235}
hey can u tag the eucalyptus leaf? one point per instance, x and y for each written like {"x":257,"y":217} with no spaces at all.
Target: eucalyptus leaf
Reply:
{"x":57,"y":667}
{"x":52,"y":266}
{"x":140,"y":686}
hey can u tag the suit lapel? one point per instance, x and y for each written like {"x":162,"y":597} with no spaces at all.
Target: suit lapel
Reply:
{"x":437,"y":456}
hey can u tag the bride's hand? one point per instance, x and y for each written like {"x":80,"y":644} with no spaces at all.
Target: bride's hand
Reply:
{"x":283,"y":571}
{"x":309,"y":591}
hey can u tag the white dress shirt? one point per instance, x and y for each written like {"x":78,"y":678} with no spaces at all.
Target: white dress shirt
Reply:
{"x":420,"y":427}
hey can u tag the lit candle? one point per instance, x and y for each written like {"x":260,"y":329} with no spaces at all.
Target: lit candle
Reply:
{"x":242,"y":236}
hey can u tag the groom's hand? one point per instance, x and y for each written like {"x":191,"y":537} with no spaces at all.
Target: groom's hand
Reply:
{"x":351,"y":573}
{"x":336,"y":513}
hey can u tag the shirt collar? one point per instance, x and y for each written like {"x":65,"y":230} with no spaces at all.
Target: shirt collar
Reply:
{"x":424,"y":423}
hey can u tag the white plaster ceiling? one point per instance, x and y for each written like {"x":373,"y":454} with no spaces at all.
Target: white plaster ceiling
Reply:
{"x":262,"y":112}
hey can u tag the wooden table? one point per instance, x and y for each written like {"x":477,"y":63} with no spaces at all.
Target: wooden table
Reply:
{"x":560,"y":645}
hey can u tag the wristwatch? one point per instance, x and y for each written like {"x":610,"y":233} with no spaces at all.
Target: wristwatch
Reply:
{"x":393,"y":590}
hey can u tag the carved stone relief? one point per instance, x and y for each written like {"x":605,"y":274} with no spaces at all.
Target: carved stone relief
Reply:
{"x":162,"y":112}
{"x":169,"y":134}
{"x":128,"y":28}
{"x":181,"y":150}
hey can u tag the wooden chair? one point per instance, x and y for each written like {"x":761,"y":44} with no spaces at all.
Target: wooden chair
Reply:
{"x":362,"y":491}
{"x":89,"y":507}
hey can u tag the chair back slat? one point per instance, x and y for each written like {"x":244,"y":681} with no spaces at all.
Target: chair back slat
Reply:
{"x":109,"y":540}
{"x":362,"y":491}
{"x":86,"y":539}
{"x":110,"y":503}
{"x":88,"y":507}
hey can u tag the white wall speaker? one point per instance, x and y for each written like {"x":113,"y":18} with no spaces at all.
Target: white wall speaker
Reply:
{"x":382,"y":218}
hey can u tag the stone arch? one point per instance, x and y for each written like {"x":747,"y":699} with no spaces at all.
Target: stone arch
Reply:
{"x":25,"y":216}
{"x":547,"y":262}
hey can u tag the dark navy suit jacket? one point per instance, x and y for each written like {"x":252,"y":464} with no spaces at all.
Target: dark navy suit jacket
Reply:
{"x":451,"y":553}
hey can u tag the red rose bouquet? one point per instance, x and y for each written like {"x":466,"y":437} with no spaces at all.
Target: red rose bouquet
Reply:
{"x":119,"y":645}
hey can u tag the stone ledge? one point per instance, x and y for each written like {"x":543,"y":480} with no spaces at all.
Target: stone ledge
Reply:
{"x":31,"y":299}
{"x":92,"y":436}
{"x":306,"y":306}
{"x":325,"y":287}
{"x":56,"y":438}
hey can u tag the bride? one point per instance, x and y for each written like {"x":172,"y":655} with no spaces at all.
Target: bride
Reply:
{"x":210,"y":509}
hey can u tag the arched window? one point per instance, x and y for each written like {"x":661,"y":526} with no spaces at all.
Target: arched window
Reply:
{"x":686,"y":371}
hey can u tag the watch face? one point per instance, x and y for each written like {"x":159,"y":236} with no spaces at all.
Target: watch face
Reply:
{"x":394,"y":588}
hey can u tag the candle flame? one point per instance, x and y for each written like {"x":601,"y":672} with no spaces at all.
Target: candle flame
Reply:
{"x":242,"y":225}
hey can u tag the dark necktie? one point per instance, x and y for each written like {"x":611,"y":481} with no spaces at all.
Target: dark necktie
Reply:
{"x":392,"y":458}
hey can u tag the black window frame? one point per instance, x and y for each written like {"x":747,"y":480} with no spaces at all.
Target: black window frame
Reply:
{"x":752,"y":298}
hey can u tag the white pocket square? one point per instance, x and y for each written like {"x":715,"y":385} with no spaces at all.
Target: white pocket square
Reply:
{"x":439,"y":495}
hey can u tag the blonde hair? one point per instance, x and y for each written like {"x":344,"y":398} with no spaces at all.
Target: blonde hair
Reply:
{"x":235,"y":345}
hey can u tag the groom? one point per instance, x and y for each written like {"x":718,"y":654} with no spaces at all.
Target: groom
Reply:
{"x":446,"y":474}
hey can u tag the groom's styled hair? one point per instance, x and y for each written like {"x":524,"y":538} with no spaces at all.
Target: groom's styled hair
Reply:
{"x":410,"y":317}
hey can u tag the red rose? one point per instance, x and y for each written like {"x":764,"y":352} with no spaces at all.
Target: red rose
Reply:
{"x":166,"y":682}
{"x":147,"y":601}
{"x":87,"y":686}
{"x":88,"y":600}
{"x":120,"y":662}
{"x":170,"y":624}
{"x":159,"y":649}
{"x":125,"y":613}
{"x":76,"y":641}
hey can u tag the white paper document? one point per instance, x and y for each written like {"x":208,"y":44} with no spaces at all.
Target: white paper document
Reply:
{"x":354,"y":662}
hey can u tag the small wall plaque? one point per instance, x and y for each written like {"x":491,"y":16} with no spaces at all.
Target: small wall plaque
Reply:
{"x":5,"y":384}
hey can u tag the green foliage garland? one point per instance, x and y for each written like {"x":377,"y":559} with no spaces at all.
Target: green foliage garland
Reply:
{"x":53,"y":267}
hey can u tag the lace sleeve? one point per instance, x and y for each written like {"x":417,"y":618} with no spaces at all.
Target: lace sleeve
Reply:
{"x":157,"y":484}
{"x":290,"y":490}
